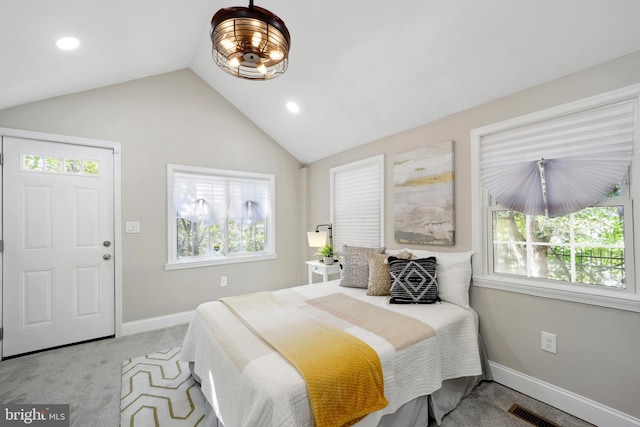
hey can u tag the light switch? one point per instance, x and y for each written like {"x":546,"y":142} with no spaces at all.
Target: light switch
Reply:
{"x":132,"y":227}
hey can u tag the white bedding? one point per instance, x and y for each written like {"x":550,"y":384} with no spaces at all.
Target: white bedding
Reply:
{"x":248,"y":384}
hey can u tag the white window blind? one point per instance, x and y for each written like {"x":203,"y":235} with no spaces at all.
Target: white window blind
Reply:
{"x":213,"y":198}
{"x":559,"y":166}
{"x":199,"y":197}
{"x":357,"y":203}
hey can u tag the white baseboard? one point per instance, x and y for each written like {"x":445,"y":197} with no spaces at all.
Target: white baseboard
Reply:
{"x":153,"y":323}
{"x":574,"y":404}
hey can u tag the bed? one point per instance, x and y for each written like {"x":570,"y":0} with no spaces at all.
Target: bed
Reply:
{"x":248,"y":383}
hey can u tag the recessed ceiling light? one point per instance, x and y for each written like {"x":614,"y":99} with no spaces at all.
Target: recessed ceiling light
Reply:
{"x":293,"y":107}
{"x":67,"y":43}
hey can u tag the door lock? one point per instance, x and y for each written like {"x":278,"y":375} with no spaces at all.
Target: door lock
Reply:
{"x":106,"y":243}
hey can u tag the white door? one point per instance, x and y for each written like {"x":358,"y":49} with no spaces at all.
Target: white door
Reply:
{"x":58,"y":222}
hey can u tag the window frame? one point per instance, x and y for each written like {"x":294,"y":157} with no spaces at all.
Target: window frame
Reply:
{"x":483,"y":276}
{"x":174,"y":263}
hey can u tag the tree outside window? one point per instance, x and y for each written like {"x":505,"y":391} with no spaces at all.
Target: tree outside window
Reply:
{"x":584,"y":248}
{"x":195,"y":238}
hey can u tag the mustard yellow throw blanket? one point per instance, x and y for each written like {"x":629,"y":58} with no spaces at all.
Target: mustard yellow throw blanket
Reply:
{"x":343,"y":374}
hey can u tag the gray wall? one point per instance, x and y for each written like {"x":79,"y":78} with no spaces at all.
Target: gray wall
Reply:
{"x":598,"y":348}
{"x":175,"y":118}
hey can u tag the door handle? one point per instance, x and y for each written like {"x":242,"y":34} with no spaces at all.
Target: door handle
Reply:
{"x":106,"y":256}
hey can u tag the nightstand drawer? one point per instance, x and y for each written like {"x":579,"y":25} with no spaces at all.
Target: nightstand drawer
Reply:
{"x":317,"y":267}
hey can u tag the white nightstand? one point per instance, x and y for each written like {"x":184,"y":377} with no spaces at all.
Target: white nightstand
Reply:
{"x":318,"y":267}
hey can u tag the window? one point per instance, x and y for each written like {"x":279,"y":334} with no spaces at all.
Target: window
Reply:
{"x":218,"y":216}
{"x":59,"y":165}
{"x":586,"y":247}
{"x":582,"y":253}
{"x":357,"y":203}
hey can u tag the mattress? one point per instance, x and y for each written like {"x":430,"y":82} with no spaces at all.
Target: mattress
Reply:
{"x":247,"y":383}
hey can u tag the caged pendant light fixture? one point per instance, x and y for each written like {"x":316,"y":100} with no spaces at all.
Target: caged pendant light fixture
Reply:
{"x":250,"y":42}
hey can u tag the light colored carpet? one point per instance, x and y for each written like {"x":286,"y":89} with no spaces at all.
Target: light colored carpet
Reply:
{"x":85,"y":376}
{"x":489,"y":403}
{"x":158,"y":390}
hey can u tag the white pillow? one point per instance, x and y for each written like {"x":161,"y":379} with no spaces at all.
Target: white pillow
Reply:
{"x":453,"y":271}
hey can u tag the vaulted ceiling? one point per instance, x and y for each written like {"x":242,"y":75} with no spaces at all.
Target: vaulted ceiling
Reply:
{"x":359,"y":70}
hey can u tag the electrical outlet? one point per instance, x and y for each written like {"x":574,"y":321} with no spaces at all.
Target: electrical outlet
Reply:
{"x":223,"y":280}
{"x":548,"y":342}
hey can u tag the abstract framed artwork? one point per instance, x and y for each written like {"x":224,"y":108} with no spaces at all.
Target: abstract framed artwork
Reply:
{"x":424,"y":195}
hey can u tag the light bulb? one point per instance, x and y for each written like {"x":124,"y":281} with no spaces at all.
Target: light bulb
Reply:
{"x":293,"y":107}
{"x":262,"y":68}
{"x":228,"y":44}
{"x":256,"y":39}
{"x":276,"y":55}
{"x":234,"y":62}
{"x":67,"y":43}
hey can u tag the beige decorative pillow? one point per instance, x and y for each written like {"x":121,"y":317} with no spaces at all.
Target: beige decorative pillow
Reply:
{"x":379,"y":273}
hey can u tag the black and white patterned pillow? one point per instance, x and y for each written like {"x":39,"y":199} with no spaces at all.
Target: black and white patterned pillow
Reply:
{"x":413,"y":281}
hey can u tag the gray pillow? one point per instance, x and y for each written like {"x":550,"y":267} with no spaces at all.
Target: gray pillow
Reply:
{"x":355,"y":273}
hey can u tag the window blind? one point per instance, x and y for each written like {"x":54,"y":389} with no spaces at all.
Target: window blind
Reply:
{"x":559,"y":166}
{"x":357,"y":203}
{"x":213,"y":198}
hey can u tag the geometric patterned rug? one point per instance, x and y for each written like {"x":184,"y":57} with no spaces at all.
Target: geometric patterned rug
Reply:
{"x":158,"y":390}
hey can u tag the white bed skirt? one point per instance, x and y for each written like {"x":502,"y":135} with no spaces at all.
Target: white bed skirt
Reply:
{"x":415,"y":412}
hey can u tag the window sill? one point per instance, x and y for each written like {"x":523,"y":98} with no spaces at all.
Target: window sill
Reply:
{"x":611,"y":298}
{"x":181,"y":264}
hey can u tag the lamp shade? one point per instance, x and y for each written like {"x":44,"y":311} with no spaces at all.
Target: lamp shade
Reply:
{"x":250,"y":42}
{"x":317,"y":239}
